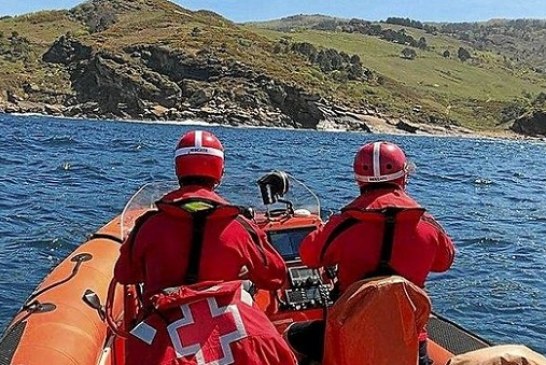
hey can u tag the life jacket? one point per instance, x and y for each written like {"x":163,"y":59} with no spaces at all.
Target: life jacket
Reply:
{"x":206,"y":323}
{"x":199,"y":210}
{"x":376,"y":322}
{"x":389,"y":217}
{"x":198,"y":206}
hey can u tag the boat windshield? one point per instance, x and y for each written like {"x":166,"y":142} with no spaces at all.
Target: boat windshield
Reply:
{"x":302,"y":199}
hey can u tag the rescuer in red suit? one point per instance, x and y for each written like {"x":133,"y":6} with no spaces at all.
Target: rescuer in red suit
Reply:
{"x":196,"y":236}
{"x":416,"y":243}
{"x":226,"y":245}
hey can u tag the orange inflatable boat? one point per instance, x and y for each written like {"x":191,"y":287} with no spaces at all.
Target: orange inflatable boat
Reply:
{"x":64,"y":323}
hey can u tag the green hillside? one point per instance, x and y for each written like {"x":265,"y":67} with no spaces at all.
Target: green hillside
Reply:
{"x":472,"y":92}
{"x":131,"y":56}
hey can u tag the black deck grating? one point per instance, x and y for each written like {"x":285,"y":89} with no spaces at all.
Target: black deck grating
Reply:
{"x":452,"y":337}
{"x":10,"y":341}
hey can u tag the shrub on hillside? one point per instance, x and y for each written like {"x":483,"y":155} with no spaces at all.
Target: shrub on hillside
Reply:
{"x":512,"y":111}
{"x":306,"y":49}
{"x":17,"y":49}
{"x":521,"y":106}
{"x":422,"y":43}
{"x":463,"y":54}
{"x":408,"y":53}
{"x":330,"y":60}
{"x":195,"y":32}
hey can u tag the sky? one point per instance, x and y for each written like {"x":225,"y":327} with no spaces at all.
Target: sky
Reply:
{"x":246,"y":10}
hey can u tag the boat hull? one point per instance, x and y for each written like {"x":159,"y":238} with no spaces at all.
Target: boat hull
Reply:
{"x":55,"y":326}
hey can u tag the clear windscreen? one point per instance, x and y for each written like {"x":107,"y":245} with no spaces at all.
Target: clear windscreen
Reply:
{"x":303,"y":199}
{"x":142,"y":201}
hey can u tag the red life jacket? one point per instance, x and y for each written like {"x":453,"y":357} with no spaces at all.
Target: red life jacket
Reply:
{"x":174,"y":245}
{"x":387,"y":220}
{"x":206,"y":323}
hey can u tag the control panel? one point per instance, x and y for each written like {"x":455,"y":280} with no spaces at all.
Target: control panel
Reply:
{"x":307,"y":290}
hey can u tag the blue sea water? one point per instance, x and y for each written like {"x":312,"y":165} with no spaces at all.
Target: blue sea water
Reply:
{"x":62,"y":179}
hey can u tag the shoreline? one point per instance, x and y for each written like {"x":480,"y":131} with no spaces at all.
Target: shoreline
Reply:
{"x":377,"y":126}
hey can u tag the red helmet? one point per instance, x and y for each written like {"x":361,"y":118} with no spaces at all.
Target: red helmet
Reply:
{"x":199,"y":154}
{"x":378,"y":162}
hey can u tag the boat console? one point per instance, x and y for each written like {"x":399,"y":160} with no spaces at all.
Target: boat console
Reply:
{"x":306,"y":289}
{"x":287,"y":241}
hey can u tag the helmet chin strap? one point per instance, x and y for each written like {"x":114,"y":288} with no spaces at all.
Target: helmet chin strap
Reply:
{"x":367,"y":186}
{"x":216,"y":186}
{"x":406,"y":181}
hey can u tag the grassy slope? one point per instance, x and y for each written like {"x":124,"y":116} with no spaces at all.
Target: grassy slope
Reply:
{"x":171,"y":25}
{"x":296,"y":21}
{"x":431,"y":80}
{"x":472,"y":94}
{"x":156,"y":22}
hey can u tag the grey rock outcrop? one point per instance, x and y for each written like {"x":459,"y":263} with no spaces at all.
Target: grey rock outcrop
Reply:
{"x":66,"y":51}
{"x":531,"y":124}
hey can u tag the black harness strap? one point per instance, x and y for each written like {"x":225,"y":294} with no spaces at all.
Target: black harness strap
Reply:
{"x":384,"y":267}
{"x":254,"y":235}
{"x":346,"y":224}
{"x":194,"y":259}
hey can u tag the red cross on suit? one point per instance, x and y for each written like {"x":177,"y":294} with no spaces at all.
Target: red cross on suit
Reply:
{"x":206,"y":331}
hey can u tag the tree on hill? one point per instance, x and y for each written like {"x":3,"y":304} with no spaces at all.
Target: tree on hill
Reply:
{"x":355,"y":71}
{"x":422,"y":43}
{"x":446,"y":54}
{"x":408,"y":53}
{"x":340,"y":65}
{"x":407,"y":22}
{"x":355,"y":59}
{"x":463,"y":54}
{"x":430,"y":29}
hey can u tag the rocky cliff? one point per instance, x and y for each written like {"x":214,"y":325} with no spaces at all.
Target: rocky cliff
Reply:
{"x":531,"y":124}
{"x":153,"y":60}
